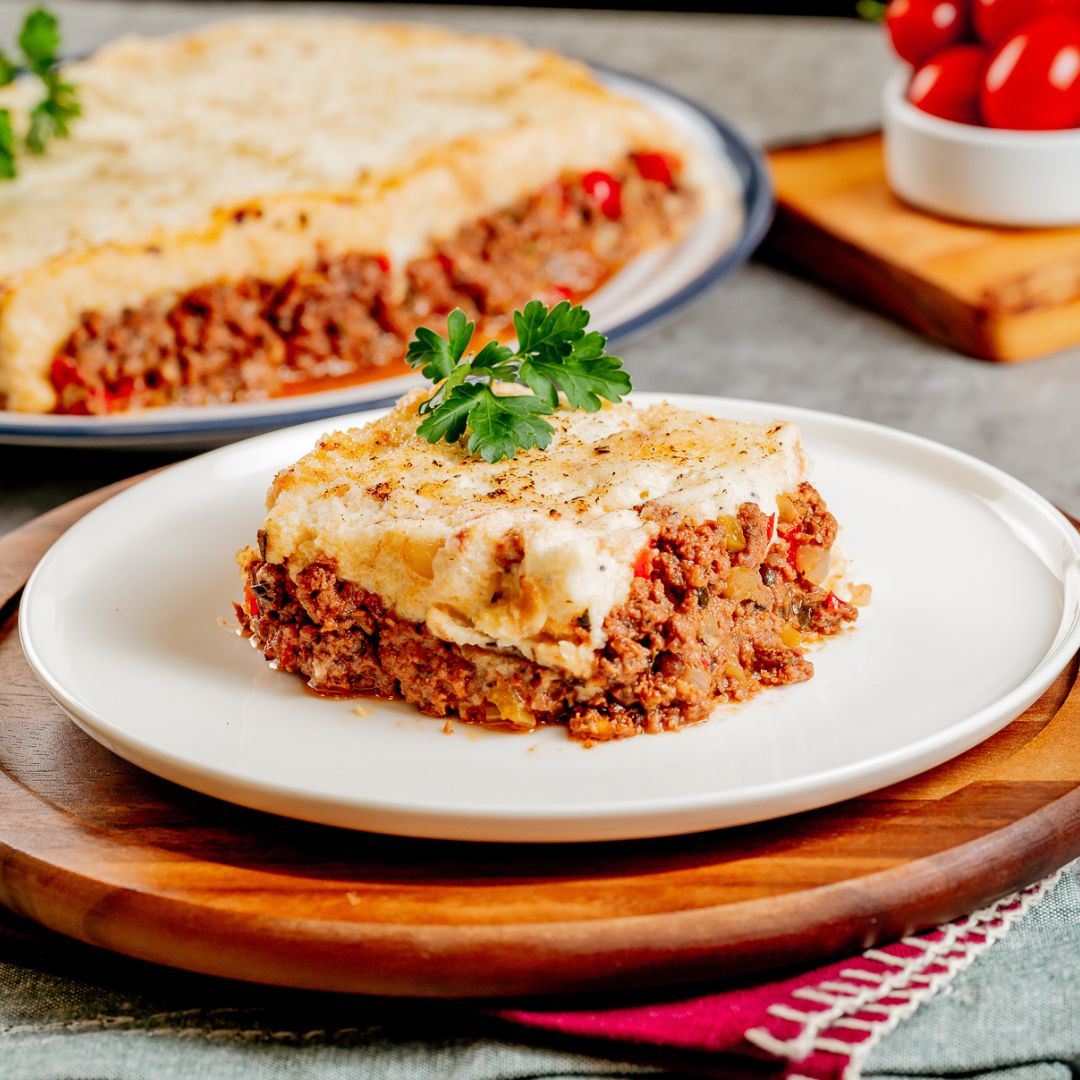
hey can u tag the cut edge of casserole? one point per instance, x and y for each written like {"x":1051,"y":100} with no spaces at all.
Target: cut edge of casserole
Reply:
{"x":102,"y":225}
{"x":649,"y":565}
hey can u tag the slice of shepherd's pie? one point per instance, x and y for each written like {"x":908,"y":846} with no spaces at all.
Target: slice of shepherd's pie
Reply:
{"x":275,"y":204}
{"x":650,"y":563}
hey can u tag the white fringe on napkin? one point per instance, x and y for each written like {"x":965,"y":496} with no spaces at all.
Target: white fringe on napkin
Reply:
{"x":884,"y":987}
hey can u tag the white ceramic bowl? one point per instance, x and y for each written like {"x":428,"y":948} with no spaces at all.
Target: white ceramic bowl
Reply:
{"x":1015,"y":178}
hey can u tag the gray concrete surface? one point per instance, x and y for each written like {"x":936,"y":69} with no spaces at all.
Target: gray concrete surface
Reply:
{"x":761,"y":334}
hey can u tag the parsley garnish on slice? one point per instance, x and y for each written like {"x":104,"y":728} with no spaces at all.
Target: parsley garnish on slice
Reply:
{"x":39,"y":43}
{"x":7,"y":146}
{"x":554,"y":353}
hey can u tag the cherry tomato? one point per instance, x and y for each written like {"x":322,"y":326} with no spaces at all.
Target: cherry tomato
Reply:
{"x":656,"y":166}
{"x":948,"y":84}
{"x":1032,"y":82}
{"x":920,"y":28}
{"x":606,"y":191}
{"x":995,"y":20}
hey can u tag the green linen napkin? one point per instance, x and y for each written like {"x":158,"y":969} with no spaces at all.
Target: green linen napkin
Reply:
{"x":70,"y":1012}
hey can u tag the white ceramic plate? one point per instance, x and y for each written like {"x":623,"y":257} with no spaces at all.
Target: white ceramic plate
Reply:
{"x":649,"y":289}
{"x":976,"y":608}
{"x":989,"y":176}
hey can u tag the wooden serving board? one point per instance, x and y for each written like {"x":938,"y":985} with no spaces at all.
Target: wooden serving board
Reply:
{"x":995,"y":293}
{"x":97,"y":849}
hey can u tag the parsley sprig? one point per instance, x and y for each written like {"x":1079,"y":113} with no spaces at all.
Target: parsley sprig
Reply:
{"x":50,"y":118}
{"x":554,"y":354}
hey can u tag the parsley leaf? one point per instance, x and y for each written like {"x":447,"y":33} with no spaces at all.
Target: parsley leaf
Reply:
{"x":50,"y":118}
{"x":583,"y":380}
{"x":540,"y":330}
{"x":503,"y":425}
{"x":496,"y":361}
{"x":7,"y":146}
{"x":39,"y":40}
{"x":439,"y":355}
{"x":450,"y":419}
{"x":554,"y":355}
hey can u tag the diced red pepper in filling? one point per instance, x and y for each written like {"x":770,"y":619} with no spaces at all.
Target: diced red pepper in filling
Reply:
{"x":383,"y":263}
{"x":793,"y":556}
{"x":251,"y":602}
{"x":65,"y":373}
{"x":832,"y":602}
{"x":605,"y":191}
{"x":788,"y":534}
{"x":563,"y":291}
{"x":76,"y":397}
{"x":446,"y":263}
{"x":770,"y":523}
{"x":643,"y":562}
{"x":653,"y":165}
{"x":121,"y":390}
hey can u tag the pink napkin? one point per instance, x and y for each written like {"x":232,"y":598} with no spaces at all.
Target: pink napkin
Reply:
{"x":821,"y":1024}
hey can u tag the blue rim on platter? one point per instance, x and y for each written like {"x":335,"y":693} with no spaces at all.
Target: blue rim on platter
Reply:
{"x":174,"y":427}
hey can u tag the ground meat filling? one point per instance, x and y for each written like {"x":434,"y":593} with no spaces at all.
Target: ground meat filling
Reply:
{"x":350,"y":316}
{"x":717,"y":611}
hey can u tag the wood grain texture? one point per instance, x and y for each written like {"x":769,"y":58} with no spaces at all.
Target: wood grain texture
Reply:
{"x":99,"y":850}
{"x":994,"y":293}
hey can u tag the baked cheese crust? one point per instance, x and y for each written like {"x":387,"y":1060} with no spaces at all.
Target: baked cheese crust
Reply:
{"x":246,"y":147}
{"x":425,"y":527}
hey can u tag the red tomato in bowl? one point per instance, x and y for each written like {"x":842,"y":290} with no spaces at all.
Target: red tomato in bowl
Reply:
{"x":995,"y":20}
{"x":1032,"y":82}
{"x":920,"y":28}
{"x":948,"y":85}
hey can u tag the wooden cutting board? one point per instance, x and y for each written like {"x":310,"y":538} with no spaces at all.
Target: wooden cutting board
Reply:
{"x":999,"y":294}
{"x":97,"y":849}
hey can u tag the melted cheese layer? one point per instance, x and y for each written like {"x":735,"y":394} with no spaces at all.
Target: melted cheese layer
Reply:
{"x":427,"y":528}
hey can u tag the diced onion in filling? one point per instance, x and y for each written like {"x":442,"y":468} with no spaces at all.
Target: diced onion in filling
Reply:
{"x":860,"y":595}
{"x":512,"y":709}
{"x":812,"y":562}
{"x":734,"y":537}
{"x":743,"y":584}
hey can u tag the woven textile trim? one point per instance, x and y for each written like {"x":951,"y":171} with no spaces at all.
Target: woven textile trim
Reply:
{"x":820,"y":1024}
{"x":828,"y":1029}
